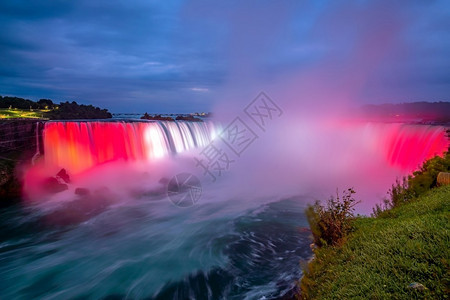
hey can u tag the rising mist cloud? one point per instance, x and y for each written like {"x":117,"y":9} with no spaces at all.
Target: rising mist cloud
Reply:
{"x":148,"y":55}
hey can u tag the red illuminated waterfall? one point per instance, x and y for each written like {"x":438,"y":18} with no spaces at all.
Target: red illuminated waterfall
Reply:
{"x":78,"y":146}
{"x":407,"y":146}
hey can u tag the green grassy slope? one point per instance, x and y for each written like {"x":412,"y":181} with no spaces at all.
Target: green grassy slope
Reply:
{"x":410,"y":243}
{"x":22,"y":114}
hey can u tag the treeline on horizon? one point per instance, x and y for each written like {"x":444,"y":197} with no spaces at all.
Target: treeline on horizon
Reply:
{"x":414,"y":111}
{"x":62,"y":111}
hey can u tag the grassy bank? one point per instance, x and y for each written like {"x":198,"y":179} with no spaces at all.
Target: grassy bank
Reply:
{"x":383,"y":255}
{"x":22,"y":113}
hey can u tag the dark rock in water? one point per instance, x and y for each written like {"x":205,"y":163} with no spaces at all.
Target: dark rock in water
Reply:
{"x":82,"y":192}
{"x":417,"y":286}
{"x":81,"y":209}
{"x":188,"y":118}
{"x":52,"y":185}
{"x":153,"y":194}
{"x":56,"y":184}
{"x":164,"y":180}
{"x":146,"y":116}
{"x":63,"y":175}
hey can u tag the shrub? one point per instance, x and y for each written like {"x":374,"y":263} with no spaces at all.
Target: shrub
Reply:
{"x":330,"y":224}
{"x":413,"y":186}
{"x":398,"y":194}
{"x":426,"y":177}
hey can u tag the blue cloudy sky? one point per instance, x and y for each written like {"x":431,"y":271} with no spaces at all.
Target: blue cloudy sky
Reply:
{"x":184,"y":56}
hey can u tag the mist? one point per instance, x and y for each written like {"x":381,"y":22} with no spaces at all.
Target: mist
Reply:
{"x":314,"y":146}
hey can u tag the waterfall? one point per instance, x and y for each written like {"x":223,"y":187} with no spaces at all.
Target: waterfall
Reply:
{"x":78,"y":145}
{"x":406,"y":146}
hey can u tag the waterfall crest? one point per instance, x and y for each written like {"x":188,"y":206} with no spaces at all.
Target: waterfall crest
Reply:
{"x":78,"y":146}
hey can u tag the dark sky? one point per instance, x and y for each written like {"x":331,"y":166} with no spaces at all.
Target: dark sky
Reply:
{"x":185,"y":56}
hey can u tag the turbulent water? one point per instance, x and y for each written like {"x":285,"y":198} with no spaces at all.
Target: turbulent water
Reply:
{"x":122,"y":238}
{"x":155,"y":250}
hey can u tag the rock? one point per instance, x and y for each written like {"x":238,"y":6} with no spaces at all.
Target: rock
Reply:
{"x":5,"y":174}
{"x":52,"y":185}
{"x":188,"y":118}
{"x":10,"y":189}
{"x":88,"y":204}
{"x":417,"y":286}
{"x":443,"y":178}
{"x":164,"y":180}
{"x":82,"y":192}
{"x":63,"y":175}
{"x":146,"y":116}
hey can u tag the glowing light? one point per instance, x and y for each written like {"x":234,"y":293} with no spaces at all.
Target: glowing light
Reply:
{"x":78,"y":146}
{"x":407,"y":146}
{"x":154,"y":139}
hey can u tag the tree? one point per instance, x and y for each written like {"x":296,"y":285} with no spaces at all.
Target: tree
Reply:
{"x":45,"y":104}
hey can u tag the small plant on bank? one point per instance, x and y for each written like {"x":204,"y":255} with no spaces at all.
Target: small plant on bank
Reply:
{"x":411,"y":187}
{"x":330,"y":224}
{"x":398,"y":194}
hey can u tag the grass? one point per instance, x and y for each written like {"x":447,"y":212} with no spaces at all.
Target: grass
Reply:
{"x":406,"y":244}
{"x":22,"y":114}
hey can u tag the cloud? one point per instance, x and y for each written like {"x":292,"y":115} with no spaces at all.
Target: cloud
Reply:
{"x":201,"y":90}
{"x":142,"y":55}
